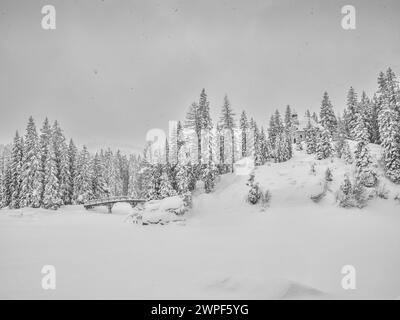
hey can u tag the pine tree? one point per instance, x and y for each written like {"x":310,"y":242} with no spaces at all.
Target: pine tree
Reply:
{"x":351,"y":112}
{"x":99,"y":185}
{"x":311,"y":139}
{"x":51,"y":195}
{"x":324,"y":145}
{"x":31,"y":169}
{"x":182,"y":178}
{"x":166,"y":189}
{"x":244,"y":126}
{"x":346,"y":154}
{"x":374,"y":121}
{"x":45,"y":141}
{"x":327,"y":115}
{"x":72,"y":162}
{"x":16,"y":171}
{"x":389,"y":124}
{"x":364,"y":171}
{"x":227,"y":122}
{"x":83,"y":178}
{"x":288,"y":118}
{"x":61,"y":156}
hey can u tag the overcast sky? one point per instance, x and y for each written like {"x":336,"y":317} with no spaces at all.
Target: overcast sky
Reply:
{"x":112,"y":70}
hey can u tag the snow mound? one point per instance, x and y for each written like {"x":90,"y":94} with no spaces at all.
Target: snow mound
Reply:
{"x":162,"y":211}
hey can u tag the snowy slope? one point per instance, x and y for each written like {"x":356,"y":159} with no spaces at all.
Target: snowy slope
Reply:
{"x":295,"y":249}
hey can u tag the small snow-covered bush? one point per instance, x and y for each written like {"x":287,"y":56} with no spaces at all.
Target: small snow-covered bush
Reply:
{"x":312,"y":169}
{"x":352,"y":195}
{"x":328,"y":175}
{"x":397,"y":197}
{"x":265,"y":198}
{"x":318,"y":197}
{"x":255,"y":194}
{"x":382,"y":192}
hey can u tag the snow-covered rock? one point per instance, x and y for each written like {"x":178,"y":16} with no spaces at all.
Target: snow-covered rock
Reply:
{"x":162,"y":211}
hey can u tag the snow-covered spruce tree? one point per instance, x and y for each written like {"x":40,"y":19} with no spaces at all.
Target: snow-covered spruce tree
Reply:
{"x":6,"y":186}
{"x":182,"y":179}
{"x":288,"y":118}
{"x":265,"y":147}
{"x":198,"y":119}
{"x":272,"y":130}
{"x":346,"y":154}
{"x":315,"y":117}
{"x":166,"y":189}
{"x":311,"y":139}
{"x":51,"y":194}
{"x":227,"y":121}
{"x":257,"y":145}
{"x":363,"y":164}
{"x":133,"y":186}
{"x":389,"y":124}
{"x":210,"y":175}
{"x":72,"y":162}
{"x":345,"y":194}
{"x":327,"y":115}
{"x":324,"y":145}
{"x":283,"y":148}
{"x":352,"y":106}
{"x":83,"y":178}
{"x":45,"y":140}
{"x":99,"y":185}
{"x":244,"y":126}
{"x":374,"y":123}
{"x":31,"y":187}
{"x":364,"y":114}
{"x":254,"y":194}
{"x":61,"y":156}
{"x":16,"y":171}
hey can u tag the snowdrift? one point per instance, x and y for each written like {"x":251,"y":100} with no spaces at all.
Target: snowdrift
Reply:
{"x":162,"y":211}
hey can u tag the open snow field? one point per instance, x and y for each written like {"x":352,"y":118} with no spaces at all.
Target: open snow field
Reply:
{"x":227,"y":249}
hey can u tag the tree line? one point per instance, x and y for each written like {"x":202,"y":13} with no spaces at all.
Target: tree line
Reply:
{"x":43,"y":170}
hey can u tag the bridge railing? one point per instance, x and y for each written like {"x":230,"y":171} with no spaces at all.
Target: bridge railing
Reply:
{"x":110,"y":199}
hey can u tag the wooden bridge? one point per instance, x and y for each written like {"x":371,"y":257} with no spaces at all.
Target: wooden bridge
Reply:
{"x":109,"y":202}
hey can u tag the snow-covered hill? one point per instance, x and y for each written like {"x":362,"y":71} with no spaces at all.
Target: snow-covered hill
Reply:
{"x":229,"y":249}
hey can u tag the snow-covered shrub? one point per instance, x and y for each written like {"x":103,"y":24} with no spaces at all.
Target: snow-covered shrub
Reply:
{"x":299,"y":146}
{"x":397,"y":197}
{"x":352,"y":195}
{"x":312,"y":169}
{"x":365,"y":173}
{"x":255,"y":194}
{"x":318,"y":197}
{"x":382,"y":192}
{"x":345,"y":194}
{"x":346,"y":153}
{"x":328,"y":175}
{"x":265,"y":198}
{"x":250,"y":181}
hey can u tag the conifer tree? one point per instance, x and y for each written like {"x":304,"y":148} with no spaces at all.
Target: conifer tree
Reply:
{"x":311,"y":139}
{"x":83,"y":191}
{"x":244,"y":126}
{"x":15,"y":171}
{"x":351,"y":112}
{"x":324,"y":145}
{"x":389,"y":124}
{"x":227,"y":122}
{"x":72,"y":163}
{"x":31,"y":189}
{"x":327,"y":115}
{"x":51,"y":195}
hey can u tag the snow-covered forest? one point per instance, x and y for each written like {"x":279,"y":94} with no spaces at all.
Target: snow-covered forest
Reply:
{"x":43,"y":169}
